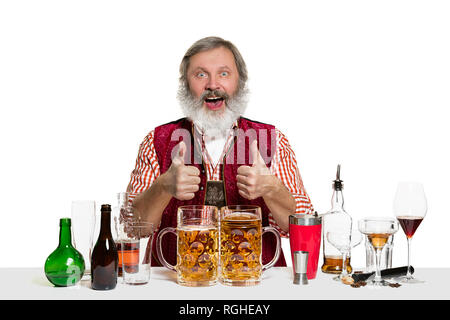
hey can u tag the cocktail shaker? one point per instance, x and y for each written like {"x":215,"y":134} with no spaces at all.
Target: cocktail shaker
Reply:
{"x":305,"y":232}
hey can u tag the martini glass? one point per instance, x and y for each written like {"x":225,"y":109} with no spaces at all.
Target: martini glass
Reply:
{"x":410,"y":207}
{"x":344,"y":242}
{"x":378,"y":232}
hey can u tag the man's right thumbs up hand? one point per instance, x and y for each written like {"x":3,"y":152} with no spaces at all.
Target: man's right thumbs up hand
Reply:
{"x":181,"y":181}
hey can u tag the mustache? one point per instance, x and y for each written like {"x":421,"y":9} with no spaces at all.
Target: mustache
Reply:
{"x":214,"y":93}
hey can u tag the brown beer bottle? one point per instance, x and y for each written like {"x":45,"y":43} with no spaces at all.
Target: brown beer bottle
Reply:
{"x":105,"y":260}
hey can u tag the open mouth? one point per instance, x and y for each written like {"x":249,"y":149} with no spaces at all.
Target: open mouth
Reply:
{"x":214,"y":103}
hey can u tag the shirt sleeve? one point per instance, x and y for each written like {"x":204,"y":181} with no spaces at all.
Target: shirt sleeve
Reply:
{"x":146,"y":169}
{"x":284,"y":166}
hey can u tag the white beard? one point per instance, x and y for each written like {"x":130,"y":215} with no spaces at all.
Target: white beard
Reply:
{"x":213,"y":124}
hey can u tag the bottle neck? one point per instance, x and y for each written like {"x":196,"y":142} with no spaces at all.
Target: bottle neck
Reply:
{"x":65,"y":236}
{"x":337,"y":200}
{"x":105,"y":225}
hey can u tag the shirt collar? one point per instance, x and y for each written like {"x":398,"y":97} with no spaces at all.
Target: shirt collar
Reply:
{"x":231,"y":132}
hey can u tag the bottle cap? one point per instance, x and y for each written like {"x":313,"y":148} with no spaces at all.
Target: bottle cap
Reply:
{"x":300,"y":267}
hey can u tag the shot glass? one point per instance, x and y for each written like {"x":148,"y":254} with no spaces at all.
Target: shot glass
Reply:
{"x":135,"y":251}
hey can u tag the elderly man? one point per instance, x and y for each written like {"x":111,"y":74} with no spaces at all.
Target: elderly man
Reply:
{"x":225,"y":159}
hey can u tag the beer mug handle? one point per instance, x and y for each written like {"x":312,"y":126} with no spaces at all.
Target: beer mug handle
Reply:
{"x":159,"y":247}
{"x":278,"y":247}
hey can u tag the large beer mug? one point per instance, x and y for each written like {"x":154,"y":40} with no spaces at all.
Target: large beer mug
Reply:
{"x":197,"y":245}
{"x":241,"y":245}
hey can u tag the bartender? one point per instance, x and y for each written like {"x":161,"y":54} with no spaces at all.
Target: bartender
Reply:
{"x":214,"y":155}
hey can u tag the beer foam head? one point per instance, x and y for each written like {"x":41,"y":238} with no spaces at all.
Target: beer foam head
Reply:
{"x":241,"y":216}
{"x":197,"y":227}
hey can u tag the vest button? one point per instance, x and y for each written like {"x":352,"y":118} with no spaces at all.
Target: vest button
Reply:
{"x":201,"y":188}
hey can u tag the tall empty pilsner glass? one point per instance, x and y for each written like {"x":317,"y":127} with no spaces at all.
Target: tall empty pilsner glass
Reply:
{"x":197,"y":245}
{"x":241,"y":245}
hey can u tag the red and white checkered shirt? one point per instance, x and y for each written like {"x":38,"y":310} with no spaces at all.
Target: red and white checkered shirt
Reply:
{"x":283,"y":165}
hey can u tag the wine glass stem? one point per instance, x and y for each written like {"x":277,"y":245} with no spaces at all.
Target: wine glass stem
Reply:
{"x":378,"y":260}
{"x":408,"y":272}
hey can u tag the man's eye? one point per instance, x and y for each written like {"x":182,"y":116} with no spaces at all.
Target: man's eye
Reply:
{"x":224,"y":73}
{"x":201,"y":75}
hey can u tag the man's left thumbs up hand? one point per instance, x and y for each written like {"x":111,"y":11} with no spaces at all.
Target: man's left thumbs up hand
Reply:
{"x":254,"y":181}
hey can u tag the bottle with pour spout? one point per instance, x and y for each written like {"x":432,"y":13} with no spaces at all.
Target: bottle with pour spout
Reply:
{"x":335,"y":219}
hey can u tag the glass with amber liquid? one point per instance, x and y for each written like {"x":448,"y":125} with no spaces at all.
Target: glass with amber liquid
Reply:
{"x":197,"y":257}
{"x":135,"y":250}
{"x":241,"y":245}
{"x":197,"y":245}
{"x":123,"y":215}
{"x":378,"y":232}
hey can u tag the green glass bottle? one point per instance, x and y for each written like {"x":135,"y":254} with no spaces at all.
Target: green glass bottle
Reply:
{"x":64,"y":267}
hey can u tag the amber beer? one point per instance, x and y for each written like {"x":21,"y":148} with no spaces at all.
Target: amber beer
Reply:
{"x":197,"y":245}
{"x":240,"y":247}
{"x":241,"y":234}
{"x":197,"y":256}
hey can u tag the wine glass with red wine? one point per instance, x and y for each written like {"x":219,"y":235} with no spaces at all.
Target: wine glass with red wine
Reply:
{"x":410,"y":207}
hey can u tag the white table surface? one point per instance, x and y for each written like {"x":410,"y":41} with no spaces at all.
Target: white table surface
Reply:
{"x":31,"y":284}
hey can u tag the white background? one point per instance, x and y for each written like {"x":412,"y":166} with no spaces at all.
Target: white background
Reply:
{"x":360,"y":83}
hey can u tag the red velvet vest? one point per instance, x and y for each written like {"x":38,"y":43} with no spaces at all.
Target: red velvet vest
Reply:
{"x":167,"y":136}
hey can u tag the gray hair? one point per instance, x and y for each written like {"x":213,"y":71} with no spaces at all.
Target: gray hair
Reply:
{"x":210,"y":43}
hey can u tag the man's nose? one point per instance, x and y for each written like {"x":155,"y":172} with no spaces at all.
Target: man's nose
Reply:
{"x":213,"y":84}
